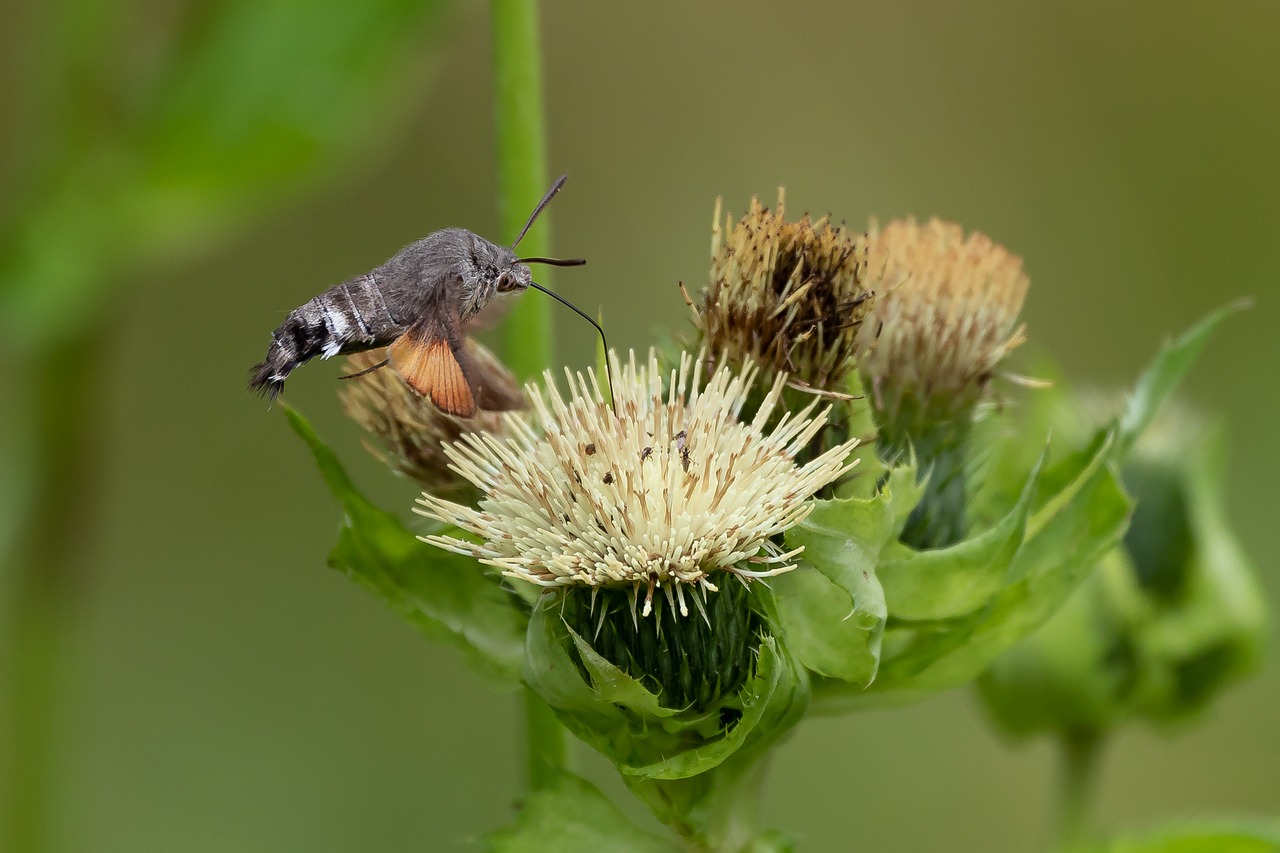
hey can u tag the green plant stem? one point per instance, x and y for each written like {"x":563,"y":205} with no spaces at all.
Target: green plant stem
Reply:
{"x":546,"y":743}
{"x":1079,"y":754}
{"x":45,"y":574}
{"x":522,"y":172}
{"x":715,"y":811}
{"x":527,"y":334}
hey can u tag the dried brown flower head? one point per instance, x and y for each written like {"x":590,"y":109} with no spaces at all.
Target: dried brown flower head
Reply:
{"x":945,"y":311}
{"x":788,"y":296}
{"x":411,"y":429}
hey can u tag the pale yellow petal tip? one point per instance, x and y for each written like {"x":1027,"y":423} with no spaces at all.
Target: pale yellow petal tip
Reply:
{"x":947,"y":306}
{"x":665,"y":489}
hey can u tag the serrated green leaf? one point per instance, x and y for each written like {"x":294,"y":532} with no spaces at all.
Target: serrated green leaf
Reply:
{"x":920,"y":658}
{"x":1066,"y":477}
{"x":1164,"y":374}
{"x":448,"y":597}
{"x":574,"y":817}
{"x":947,"y":583}
{"x":832,"y":607}
{"x":1047,"y":569}
{"x":611,"y":684}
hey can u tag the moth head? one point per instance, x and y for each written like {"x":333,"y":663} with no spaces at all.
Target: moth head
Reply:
{"x":514,"y":279}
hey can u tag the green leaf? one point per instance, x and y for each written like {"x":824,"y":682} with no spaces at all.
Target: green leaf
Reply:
{"x":573,"y":817}
{"x":950,"y":582}
{"x":832,"y":607}
{"x":1164,"y":374}
{"x":448,"y":597}
{"x":1211,"y":628}
{"x":1198,"y":837}
{"x":1081,"y":521}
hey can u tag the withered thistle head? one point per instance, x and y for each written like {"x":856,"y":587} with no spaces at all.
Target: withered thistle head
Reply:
{"x":411,"y":429}
{"x":945,"y":312}
{"x":789,"y":296}
{"x":943,"y":319}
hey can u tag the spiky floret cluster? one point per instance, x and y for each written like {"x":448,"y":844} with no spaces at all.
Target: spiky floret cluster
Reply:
{"x":787,"y":295}
{"x":946,"y":307}
{"x":410,"y":428}
{"x":660,"y":491}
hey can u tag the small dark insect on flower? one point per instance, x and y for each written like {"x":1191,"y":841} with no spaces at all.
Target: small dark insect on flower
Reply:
{"x":646,"y":453}
{"x":419,"y":304}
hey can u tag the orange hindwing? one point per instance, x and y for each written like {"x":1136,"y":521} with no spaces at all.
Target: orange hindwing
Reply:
{"x":431,"y":369}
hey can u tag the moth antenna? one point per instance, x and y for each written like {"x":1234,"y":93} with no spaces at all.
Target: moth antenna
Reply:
{"x":553,"y":262}
{"x":565,"y":302}
{"x":546,"y":199}
{"x":377,"y":366}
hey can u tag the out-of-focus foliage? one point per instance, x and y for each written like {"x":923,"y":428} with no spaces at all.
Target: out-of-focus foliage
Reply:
{"x":1202,"y":837}
{"x":240,"y":102}
{"x":1167,"y":619}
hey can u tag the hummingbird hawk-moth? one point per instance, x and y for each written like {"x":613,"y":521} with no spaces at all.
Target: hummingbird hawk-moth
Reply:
{"x":418,"y":304}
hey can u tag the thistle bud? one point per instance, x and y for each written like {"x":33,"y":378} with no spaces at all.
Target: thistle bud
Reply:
{"x":411,"y":430}
{"x":1165,"y":621}
{"x":942,"y":321}
{"x":788,"y":296}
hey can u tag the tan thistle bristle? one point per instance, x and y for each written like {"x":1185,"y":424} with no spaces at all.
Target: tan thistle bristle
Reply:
{"x":410,"y":428}
{"x":786,"y":295}
{"x":660,"y":492}
{"x":946,"y":307}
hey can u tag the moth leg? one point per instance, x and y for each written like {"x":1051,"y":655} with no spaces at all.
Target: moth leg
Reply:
{"x":377,"y":366}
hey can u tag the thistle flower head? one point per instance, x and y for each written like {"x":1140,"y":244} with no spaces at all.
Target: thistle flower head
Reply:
{"x":411,"y":429}
{"x":944,"y":316}
{"x":786,"y":295}
{"x":662,"y":490}
{"x":941,"y":324}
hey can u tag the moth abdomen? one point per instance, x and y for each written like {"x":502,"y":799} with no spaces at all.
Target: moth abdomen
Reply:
{"x":346,"y":318}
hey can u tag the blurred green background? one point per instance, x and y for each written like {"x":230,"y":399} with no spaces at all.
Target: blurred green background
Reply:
{"x":231,"y":693}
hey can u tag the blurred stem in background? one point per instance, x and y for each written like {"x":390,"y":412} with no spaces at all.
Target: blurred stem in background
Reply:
{"x":120,"y":164}
{"x":47,"y":568}
{"x":1079,"y":753}
{"x":527,"y":336}
{"x":522,"y":172}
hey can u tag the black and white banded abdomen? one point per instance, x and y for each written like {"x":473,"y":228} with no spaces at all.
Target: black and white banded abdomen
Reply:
{"x":346,"y":318}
